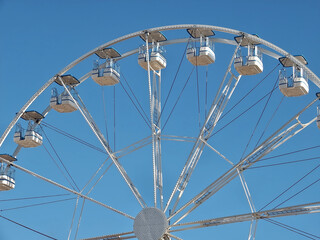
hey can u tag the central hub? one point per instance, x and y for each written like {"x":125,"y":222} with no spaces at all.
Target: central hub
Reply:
{"x":150,"y":224}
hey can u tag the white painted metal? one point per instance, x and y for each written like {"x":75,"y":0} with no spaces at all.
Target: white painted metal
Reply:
{"x":253,"y":225}
{"x":148,"y":140}
{"x":246,"y":191}
{"x":318,"y":116}
{"x":7,"y":181}
{"x":274,"y":141}
{"x":280,"y":212}
{"x":155,"y":112}
{"x":278,"y":52}
{"x":203,"y":55}
{"x":156,"y":59}
{"x":300,"y":87}
{"x":225,"y":91}
{"x":142,"y":60}
{"x":295,"y":85}
{"x":250,"y":64}
{"x":79,"y":220}
{"x":66,"y":105}
{"x":73,"y":217}
{"x":16,"y":151}
{"x":31,"y":138}
{"x":64,"y":187}
{"x":118,"y":236}
{"x":217,"y":152}
{"x":85,"y":113}
{"x":156,"y":105}
{"x":62,"y":103}
{"x":309,"y":208}
{"x":170,"y":236}
{"x":150,"y":224}
{"x":133,"y":147}
{"x":108,"y":75}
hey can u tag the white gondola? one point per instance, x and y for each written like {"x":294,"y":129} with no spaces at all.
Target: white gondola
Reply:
{"x":28,"y":139}
{"x":293,"y":86}
{"x":7,"y":181}
{"x":296,"y":84}
{"x":156,"y":59}
{"x":203,"y":55}
{"x":318,"y":117}
{"x":62,"y":103}
{"x":250,"y":64}
{"x":108,"y":75}
{"x":142,"y":58}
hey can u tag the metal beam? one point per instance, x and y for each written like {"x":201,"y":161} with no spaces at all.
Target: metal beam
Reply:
{"x":155,"y":112}
{"x":283,"y":134}
{"x":314,"y":78}
{"x":223,"y":95}
{"x":117,"y":236}
{"x":63,"y":187}
{"x":280,"y":212}
{"x":85,"y":113}
{"x":133,"y":147}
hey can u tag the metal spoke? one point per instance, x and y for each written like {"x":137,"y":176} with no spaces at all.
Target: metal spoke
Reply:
{"x":121,"y":153}
{"x":133,"y":147}
{"x":94,"y":175}
{"x":172,"y":236}
{"x":280,"y":212}
{"x":63,"y":187}
{"x":177,"y":210}
{"x":99,"y":179}
{"x":217,"y":152}
{"x":18,"y":149}
{"x":73,"y":216}
{"x":283,"y":134}
{"x":246,"y":191}
{"x":225,"y":92}
{"x":155,"y":113}
{"x":85,"y":113}
{"x":79,"y":220}
{"x":253,"y":225}
{"x":178,"y":138}
{"x":118,"y":236}
{"x":253,"y":229}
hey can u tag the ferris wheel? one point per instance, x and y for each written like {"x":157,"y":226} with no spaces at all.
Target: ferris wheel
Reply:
{"x":175,"y":132}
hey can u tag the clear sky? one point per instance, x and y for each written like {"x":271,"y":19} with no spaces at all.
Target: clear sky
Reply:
{"x":39,"y":38}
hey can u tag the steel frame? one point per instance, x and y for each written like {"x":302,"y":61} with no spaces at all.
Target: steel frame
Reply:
{"x":155,"y":112}
{"x":87,"y":116}
{"x":279,"y":212}
{"x":225,"y":92}
{"x":283,"y":134}
{"x":217,"y":107}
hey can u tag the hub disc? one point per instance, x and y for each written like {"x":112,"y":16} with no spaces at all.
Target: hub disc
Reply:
{"x":150,"y":224}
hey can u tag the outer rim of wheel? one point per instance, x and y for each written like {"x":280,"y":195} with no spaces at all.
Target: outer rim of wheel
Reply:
{"x":313,"y":77}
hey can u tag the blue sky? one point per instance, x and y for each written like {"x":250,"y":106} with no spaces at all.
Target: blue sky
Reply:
{"x":39,"y":38}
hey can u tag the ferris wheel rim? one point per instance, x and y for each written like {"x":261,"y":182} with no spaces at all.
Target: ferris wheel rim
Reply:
{"x":314,"y":78}
{"x":125,"y":37}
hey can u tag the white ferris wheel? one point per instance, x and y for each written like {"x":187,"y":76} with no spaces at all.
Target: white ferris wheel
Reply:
{"x":176,"y":132}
